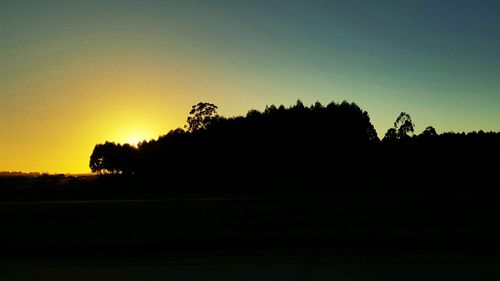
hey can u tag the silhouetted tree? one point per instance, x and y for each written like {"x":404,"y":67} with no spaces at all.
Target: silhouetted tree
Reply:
{"x":104,"y":158}
{"x":404,"y":125}
{"x":391,"y":135}
{"x":113,"y":158}
{"x":202,"y":115}
{"x":429,"y":132}
{"x":97,"y":160}
{"x":270,"y":109}
{"x":298,"y":107}
{"x":333,"y":147}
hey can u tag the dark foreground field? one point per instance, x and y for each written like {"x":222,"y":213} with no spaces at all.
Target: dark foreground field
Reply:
{"x":369,"y":224}
{"x":352,"y":233}
{"x":248,"y":268}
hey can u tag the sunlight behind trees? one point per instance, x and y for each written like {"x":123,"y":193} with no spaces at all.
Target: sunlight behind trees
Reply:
{"x":82,"y":72}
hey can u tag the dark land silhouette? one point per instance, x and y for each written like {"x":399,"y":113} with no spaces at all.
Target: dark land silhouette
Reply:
{"x":313,"y":179}
{"x":316,"y":148}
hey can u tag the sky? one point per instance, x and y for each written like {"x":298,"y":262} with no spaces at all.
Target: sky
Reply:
{"x":77,"y":73}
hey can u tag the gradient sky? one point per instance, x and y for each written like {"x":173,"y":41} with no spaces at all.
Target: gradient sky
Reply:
{"x":76,"y":73}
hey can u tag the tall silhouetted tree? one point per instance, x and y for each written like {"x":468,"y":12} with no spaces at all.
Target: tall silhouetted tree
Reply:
{"x":202,"y":115}
{"x":404,"y":125}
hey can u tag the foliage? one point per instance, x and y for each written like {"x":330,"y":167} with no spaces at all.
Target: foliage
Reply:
{"x":404,"y":125}
{"x":328,"y":145}
{"x":429,"y":132}
{"x":403,"y":128}
{"x":113,"y":158}
{"x":212,"y":142}
{"x":202,"y":115}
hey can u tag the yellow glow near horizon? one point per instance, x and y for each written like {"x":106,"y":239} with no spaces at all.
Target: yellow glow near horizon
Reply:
{"x":136,"y":133}
{"x":79,"y":74}
{"x":71,"y":109}
{"x":134,"y":139}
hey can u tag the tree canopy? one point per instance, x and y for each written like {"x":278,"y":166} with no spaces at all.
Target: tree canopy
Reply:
{"x":210,"y":139}
{"x":298,"y":143}
{"x":201,"y":116}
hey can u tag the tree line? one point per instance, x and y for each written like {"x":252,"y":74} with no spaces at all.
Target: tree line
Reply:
{"x":336,"y":142}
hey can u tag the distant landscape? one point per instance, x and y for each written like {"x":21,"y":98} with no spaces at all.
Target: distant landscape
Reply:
{"x":276,"y":139}
{"x":309,"y":178}
{"x":280,"y":150}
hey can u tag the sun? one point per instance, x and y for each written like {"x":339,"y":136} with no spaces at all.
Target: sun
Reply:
{"x":134,"y":132}
{"x":134,"y":139}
